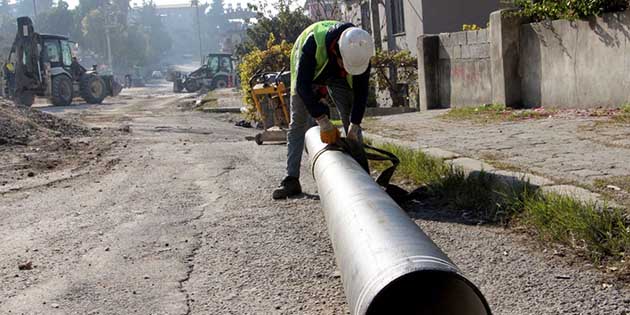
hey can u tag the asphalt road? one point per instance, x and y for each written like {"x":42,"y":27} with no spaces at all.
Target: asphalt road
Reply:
{"x":176,"y":218}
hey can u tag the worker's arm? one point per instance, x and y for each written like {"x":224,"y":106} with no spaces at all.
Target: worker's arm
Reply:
{"x":360,"y":89}
{"x":305,"y":75}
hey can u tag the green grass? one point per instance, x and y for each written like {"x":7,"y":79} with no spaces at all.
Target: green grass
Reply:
{"x":493,"y":113}
{"x":598,"y":234}
{"x":624,"y":115}
{"x":414,"y":164}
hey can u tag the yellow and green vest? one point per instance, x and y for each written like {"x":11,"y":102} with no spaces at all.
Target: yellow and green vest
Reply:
{"x":319,"y":31}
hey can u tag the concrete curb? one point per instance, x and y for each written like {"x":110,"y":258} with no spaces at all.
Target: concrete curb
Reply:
{"x":471,"y":166}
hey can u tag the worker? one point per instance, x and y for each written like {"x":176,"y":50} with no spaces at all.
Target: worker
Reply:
{"x":9,"y":76}
{"x":76,"y":69}
{"x":334,"y":58}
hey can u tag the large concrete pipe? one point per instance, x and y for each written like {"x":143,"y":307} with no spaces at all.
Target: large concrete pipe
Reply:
{"x":388,"y":265}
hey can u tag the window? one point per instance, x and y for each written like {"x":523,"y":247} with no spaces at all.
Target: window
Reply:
{"x":365,"y":17}
{"x":52,"y":51}
{"x":66,"y":53}
{"x":213,"y":64}
{"x":226,"y":64}
{"x":398,"y":16}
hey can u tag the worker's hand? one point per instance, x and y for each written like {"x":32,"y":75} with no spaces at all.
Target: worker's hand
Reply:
{"x":354,"y":133}
{"x":328,"y":133}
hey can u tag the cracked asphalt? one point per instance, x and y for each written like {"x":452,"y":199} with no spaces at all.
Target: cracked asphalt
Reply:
{"x":174,"y":220}
{"x":175,"y":217}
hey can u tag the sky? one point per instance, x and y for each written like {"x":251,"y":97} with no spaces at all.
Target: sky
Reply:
{"x":73,"y":3}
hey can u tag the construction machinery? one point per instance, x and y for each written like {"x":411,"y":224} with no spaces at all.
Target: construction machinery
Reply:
{"x":43,"y":65}
{"x":216,"y":72}
{"x":269,"y":94}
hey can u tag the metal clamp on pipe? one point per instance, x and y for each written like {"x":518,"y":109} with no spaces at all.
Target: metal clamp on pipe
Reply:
{"x":388,"y":264}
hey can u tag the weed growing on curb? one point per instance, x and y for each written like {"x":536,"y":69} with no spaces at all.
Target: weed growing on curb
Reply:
{"x":493,"y":113}
{"x":623,"y":116}
{"x":597,"y":232}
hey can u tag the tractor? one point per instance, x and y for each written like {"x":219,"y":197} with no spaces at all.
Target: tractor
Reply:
{"x":43,"y":65}
{"x":217,"y":72}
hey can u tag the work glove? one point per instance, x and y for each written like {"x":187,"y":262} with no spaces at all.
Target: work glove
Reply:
{"x":354,"y":133}
{"x":327,"y":132}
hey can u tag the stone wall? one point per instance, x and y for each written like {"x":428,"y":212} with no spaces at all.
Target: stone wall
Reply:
{"x":464,"y":69}
{"x":564,"y":64}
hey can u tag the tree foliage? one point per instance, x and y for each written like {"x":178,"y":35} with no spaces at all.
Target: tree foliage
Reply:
{"x":141,"y":40}
{"x":567,"y":9}
{"x":272,"y":59}
{"x":406,"y":67}
{"x":58,"y":20}
{"x":286,"y":26}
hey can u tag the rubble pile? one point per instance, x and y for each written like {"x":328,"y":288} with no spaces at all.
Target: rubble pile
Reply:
{"x":24,"y":125}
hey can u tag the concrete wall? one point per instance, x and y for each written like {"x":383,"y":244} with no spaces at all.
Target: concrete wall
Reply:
{"x":576,"y":64}
{"x":564,"y":64}
{"x":464,"y":72}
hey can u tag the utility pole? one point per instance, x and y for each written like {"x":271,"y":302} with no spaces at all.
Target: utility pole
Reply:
{"x":196,"y":4}
{"x":376,"y":25}
{"x":391,"y":46}
{"x":109,"y":49}
{"x":34,"y":8}
{"x":109,"y":24}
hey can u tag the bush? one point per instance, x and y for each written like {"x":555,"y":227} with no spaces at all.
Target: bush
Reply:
{"x":273,"y":59}
{"x":470,"y":27}
{"x":567,"y":9}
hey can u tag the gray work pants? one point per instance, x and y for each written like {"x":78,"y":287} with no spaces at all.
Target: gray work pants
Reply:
{"x":301,"y":121}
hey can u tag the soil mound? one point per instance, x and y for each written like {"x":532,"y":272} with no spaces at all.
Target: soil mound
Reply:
{"x":23,"y":125}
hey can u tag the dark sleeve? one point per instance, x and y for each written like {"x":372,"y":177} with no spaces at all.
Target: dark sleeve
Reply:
{"x":360,"y":88}
{"x":305,"y":75}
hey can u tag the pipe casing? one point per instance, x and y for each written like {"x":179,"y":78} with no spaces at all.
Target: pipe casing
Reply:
{"x":388,"y":264}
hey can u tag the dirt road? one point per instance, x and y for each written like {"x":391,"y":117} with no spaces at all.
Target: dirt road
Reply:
{"x":175,"y":217}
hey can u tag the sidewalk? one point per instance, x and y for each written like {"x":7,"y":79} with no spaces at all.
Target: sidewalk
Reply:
{"x":570,"y":151}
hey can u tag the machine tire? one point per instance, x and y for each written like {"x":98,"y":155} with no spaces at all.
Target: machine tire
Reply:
{"x":25,"y":99}
{"x":177,"y":86}
{"x":61,"y":90}
{"x":92,"y":88}
{"x":192,"y":86}
{"x":258,"y":139}
{"x":219,"y":83}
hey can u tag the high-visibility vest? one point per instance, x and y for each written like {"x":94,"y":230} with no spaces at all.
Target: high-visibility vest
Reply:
{"x":319,"y":31}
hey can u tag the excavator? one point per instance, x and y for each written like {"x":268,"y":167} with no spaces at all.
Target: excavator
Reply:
{"x":43,"y":65}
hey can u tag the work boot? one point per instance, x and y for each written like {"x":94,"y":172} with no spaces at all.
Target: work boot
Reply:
{"x":290,"y":186}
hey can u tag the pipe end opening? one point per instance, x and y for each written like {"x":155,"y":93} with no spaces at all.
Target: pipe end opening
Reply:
{"x":429,"y":292}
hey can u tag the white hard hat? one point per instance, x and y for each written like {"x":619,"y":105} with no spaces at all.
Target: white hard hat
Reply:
{"x":356,"y":47}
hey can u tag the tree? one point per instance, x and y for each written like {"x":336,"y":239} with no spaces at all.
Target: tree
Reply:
{"x":59,"y":20}
{"x":4,"y":7}
{"x":287,"y":25}
{"x":24,"y":7}
{"x":214,"y":24}
{"x":158,"y":41}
